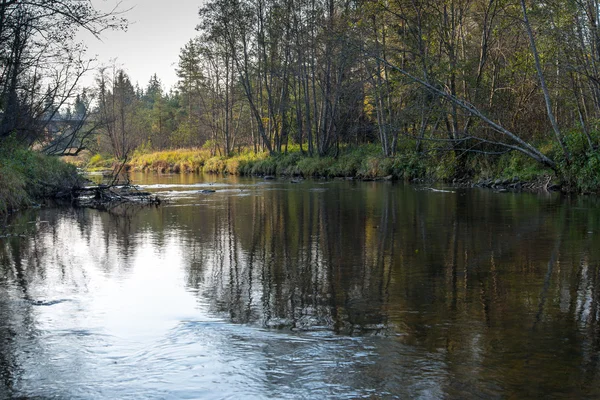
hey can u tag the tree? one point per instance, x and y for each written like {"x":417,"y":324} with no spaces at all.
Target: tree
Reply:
{"x":74,"y":128}
{"x":538,"y":68}
{"x":118,"y":107}
{"x":37,"y":49}
{"x":190,"y":86}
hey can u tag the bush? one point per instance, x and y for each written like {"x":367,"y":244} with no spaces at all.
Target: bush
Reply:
{"x":409,"y":167}
{"x":376,"y":167}
{"x":582,"y":173}
{"x":266,"y":166}
{"x":243,"y":164}
{"x":518,"y":165}
{"x":315,"y":166}
{"x":445,"y":166}
{"x":26,"y":177}
{"x":347,"y":164}
{"x":12,"y":190}
{"x":215,"y":165}
{"x":287,"y":163}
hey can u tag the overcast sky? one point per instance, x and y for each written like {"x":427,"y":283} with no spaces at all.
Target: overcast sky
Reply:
{"x":158,"y":29}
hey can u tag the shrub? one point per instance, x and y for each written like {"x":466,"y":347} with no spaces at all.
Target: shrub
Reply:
{"x":582,"y":173}
{"x":26,"y":176}
{"x":445,"y":166}
{"x":315,"y":166}
{"x":266,"y":166}
{"x":12,"y":190}
{"x":518,"y":165}
{"x":347,"y":164}
{"x":287,"y":163}
{"x":409,"y":166}
{"x":376,"y":167}
{"x":214,"y":165}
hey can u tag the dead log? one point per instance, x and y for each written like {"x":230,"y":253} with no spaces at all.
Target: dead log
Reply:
{"x":107,"y":196}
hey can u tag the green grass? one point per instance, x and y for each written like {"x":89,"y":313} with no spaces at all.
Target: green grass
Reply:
{"x":27,"y":177}
{"x":362,"y":162}
{"x":366,"y":162}
{"x":99,"y":162}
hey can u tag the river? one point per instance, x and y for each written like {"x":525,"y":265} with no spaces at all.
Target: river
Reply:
{"x":318,"y":289}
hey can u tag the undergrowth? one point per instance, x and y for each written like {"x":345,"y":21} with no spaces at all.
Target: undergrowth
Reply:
{"x":27,"y":177}
{"x":582,"y":173}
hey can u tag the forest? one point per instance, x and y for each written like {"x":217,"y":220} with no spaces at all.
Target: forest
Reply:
{"x":438,"y":89}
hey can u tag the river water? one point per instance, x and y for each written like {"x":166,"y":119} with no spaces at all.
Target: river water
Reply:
{"x":320,"y":289}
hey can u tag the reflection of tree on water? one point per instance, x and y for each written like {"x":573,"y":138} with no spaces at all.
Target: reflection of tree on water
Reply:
{"x":285,"y":264}
{"x":420,"y":266}
{"x":16,"y":317}
{"x":465,"y":278}
{"x":22,"y":261}
{"x":37,"y":254}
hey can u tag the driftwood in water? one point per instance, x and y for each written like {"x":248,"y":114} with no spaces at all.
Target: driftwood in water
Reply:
{"x":107,"y":196}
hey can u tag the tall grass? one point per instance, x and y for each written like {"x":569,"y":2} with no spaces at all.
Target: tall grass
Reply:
{"x":366,"y":162}
{"x":182,"y":160}
{"x":98,"y":162}
{"x":362,"y":162}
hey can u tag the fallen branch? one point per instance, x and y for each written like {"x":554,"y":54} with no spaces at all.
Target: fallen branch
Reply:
{"x":107,"y":196}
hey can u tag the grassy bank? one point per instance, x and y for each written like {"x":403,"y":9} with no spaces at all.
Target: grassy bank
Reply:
{"x":582,"y":174}
{"x":26,"y":178}
{"x":363,"y":162}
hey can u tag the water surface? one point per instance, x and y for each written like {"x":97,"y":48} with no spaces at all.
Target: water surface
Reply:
{"x":321,"y":289}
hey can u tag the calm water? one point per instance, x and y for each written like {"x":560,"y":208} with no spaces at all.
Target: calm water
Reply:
{"x":323,"y":289}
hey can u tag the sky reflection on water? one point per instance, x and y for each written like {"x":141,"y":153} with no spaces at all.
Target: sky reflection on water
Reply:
{"x":353,"y":290}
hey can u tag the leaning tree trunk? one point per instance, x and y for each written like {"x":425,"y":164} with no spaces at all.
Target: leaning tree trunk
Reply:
{"x":540,"y":74}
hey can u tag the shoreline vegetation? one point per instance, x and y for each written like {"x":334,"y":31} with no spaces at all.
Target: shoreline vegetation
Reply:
{"x":31,"y":179}
{"x":478,"y":94}
{"x":509,"y":172}
{"x":28,"y":178}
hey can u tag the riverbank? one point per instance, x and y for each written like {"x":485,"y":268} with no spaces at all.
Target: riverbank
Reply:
{"x":27,"y":178}
{"x":510,"y":171}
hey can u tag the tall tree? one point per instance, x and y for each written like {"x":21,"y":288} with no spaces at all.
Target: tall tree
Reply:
{"x":118,"y":105}
{"x":37,"y":46}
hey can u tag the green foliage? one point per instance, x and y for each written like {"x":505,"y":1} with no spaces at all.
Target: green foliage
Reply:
{"x":347,"y":164}
{"x":445,"y":166}
{"x":26,"y":177}
{"x":583,"y":172}
{"x":211,"y":145}
{"x":577,"y":142}
{"x":409,"y":166}
{"x":99,"y":163}
{"x":287,"y":163}
{"x":244,"y":163}
{"x":517,"y":165}
{"x":12,"y":189}
{"x":376,"y":167}
{"x":267,"y":166}
{"x":315,"y":166}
